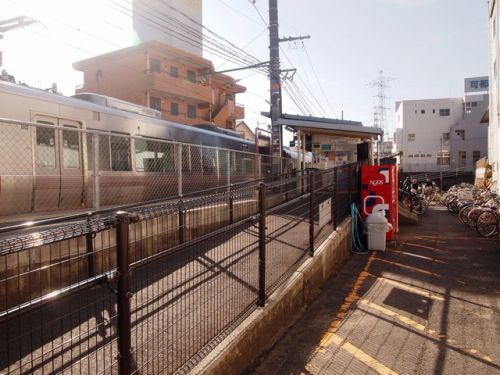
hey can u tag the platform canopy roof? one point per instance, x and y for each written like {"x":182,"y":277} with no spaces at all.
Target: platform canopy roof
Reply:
{"x":321,"y":125}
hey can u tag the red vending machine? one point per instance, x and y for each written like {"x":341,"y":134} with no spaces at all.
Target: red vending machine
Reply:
{"x":379,"y":192}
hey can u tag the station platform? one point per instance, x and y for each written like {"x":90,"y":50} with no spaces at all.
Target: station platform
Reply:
{"x":429,"y":304}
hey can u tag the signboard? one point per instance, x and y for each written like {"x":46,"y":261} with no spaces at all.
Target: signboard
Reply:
{"x":477,"y":84}
{"x":325,"y":212}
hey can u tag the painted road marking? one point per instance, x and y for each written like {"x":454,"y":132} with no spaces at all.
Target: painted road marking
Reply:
{"x":420,"y":327}
{"x":410,"y":288}
{"x":416,"y":269}
{"x":361,"y":356}
{"x":417,"y":256}
{"x":348,"y":301}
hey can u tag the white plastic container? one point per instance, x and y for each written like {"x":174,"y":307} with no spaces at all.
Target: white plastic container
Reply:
{"x":376,"y":227}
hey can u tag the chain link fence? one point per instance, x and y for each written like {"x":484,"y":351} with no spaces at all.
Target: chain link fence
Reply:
{"x":47,"y":167}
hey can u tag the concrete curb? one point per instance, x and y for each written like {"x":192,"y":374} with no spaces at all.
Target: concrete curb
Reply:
{"x":264,"y":327}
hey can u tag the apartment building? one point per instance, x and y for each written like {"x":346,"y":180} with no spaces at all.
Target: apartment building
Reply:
{"x":441,"y":134}
{"x":182,"y":85}
{"x":494,"y":108}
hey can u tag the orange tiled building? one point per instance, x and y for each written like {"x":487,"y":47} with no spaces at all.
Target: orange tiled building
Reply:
{"x":183,"y":86}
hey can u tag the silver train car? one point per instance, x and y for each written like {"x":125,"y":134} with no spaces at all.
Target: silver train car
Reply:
{"x":50,"y":146}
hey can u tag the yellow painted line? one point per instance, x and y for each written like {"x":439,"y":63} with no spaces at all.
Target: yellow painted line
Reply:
{"x":410,"y":288}
{"x":416,"y":269}
{"x":362,"y":356}
{"x":425,"y":238}
{"x":417,"y":256}
{"x":395,"y":315}
{"x":346,"y":305}
{"x":420,"y":327}
{"x":424,"y":247}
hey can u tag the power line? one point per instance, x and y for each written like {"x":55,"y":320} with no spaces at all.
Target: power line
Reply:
{"x":317,"y":79}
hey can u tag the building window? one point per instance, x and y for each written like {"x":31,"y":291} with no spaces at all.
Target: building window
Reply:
{"x":476,"y":155}
{"x":444,"y":112}
{"x":191,"y":111}
{"x":416,"y":111}
{"x":98,"y":76}
{"x":174,"y":72}
{"x":429,"y":155}
{"x":410,"y":156}
{"x":460,"y":134}
{"x":462,"y":158}
{"x":411,"y":137}
{"x":443,"y":157}
{"x":191,"y":76}
{"x":446,"y":136}
{"x":174,"y":109}
{"x":154,"y":66}
{"x":229,"y":124}
{"x":155,"y":103}
{"x":422,"y":111}
{"x":433,"y":111}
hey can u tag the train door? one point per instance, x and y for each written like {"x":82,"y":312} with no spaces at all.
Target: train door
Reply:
{"x":58,"y":178}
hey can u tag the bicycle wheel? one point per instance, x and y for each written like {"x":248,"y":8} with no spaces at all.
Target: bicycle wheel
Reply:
{"x":464,"y":212}
{"x":487,"y":224}
{"x":473,"y":216}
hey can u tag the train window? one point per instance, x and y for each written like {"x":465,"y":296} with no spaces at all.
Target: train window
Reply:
{"x":186,"y":159}
{"x":209,"y":161}
{"x":104,"y":154}
{"x":71,"y":149}
{"x":120,"y":153}
{"x":45,"y":147}
{"x":153,"y":156}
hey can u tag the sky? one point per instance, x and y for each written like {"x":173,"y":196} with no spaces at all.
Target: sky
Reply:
{"x":425,"y":47}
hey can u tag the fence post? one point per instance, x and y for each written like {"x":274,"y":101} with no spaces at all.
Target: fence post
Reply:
{"x":179,"y":169}
{"x":262,"y":245}
{"x":231,"y":205}
{"x":123,"y":294}
{"x":311,"y":214}
{"x":334,"y":201}
{"x":95,"y":167}
{"x":228,"y":181}
{"x":90,"y":250}
{"x":182,"y":220}
{"x":349,"y":171}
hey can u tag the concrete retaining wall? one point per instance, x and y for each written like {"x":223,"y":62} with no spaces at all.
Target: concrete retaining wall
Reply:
{"x":241,"y":349}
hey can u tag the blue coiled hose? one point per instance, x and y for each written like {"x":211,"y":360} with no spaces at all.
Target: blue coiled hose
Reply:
{"x":356,"y":244}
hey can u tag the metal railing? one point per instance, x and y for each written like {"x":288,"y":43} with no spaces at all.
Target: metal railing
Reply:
{"x":154,"y":289}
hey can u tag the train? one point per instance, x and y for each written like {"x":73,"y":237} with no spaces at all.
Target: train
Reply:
{"x":51,"y":145}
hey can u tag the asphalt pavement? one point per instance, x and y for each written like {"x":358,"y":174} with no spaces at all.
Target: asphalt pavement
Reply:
{"x":429,"y":304}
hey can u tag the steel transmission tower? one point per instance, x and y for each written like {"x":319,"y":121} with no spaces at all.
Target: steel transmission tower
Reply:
{"x":380,"y":109}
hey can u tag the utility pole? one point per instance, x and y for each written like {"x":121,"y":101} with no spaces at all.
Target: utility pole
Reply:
{"x":275,"y":81}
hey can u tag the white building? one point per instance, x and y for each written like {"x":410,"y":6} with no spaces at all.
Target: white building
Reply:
{"x":494,"y":125}
{"x":176,"y":23}
{"x":442,"y":134}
